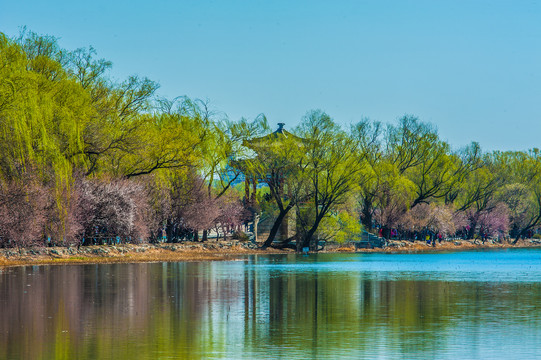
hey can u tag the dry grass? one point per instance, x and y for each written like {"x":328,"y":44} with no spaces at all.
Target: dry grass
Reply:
{"x":349,"y":248}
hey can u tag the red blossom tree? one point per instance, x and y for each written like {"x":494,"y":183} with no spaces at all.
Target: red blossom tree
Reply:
{"x":113,"y":207}
{"x":492,"y":221}
{"x":22,"y":211}
{"x":435,"y":218}
{"x":231,"y":213}
{"x":64,"y":216}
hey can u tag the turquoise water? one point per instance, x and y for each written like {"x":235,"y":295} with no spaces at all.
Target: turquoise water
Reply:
{"x":467,"y":305}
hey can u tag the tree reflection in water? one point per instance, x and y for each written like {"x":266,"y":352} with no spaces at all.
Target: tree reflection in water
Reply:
{"x":240,"y":309}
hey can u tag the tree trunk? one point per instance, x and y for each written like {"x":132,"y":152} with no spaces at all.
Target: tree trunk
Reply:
{"x":386,"y":232}
{"x":471,"y":232}
{"x":286,"y":244}
{"x":519,"y":234}
{"x":307,"y":237}
{"x":205,"y":236}
{"x":276,"y":226}
{"x":256,"y":223}
{"x":367,"y":215}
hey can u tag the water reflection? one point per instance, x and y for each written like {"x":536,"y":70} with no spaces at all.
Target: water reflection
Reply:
{"x":329,"y":306}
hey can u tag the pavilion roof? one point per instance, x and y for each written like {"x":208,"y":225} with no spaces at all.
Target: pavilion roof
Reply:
{"x":275,"y":137}
{"x":262,"y":144}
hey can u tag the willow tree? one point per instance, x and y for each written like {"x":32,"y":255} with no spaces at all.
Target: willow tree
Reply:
{"x":409,"y":144}
{"x":403,"y":167}
{"x":477,"y":195}
{"x":522,"y":190}
{"x":332,"y":170}
{"x":279,"y":164}
{"x":369,"y":135}
{"x":417,"y":152}
{"x":221,"y":147}
{"x":120,"y":123}
{"x":393,"y":198}
{"x":207,"y":146}
{"x":43,"y":114}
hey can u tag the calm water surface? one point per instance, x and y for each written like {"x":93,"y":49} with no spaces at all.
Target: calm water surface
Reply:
{"x":431,"y":306}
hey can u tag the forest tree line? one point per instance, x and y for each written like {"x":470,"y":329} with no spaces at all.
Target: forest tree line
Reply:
{"x":85,"y":157}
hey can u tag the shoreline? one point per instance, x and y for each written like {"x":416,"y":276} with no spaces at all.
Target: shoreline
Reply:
{"x":406,"y":246}
{"x":216,"y":251}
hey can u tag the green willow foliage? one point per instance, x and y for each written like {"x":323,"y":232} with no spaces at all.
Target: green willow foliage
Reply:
{"x":62,"y":118}
{"x":70,"y":138}
{"x":43,"y":112}
{"x":67,"y":126}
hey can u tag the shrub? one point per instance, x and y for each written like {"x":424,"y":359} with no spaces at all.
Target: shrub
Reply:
{"x":241,"y":236}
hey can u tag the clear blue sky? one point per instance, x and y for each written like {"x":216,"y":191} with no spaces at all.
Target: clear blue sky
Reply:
{"x":472,"y":68}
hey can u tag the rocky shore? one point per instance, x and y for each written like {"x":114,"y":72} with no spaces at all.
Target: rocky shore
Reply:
{"x":214,"y":250}
{"x":406,"y":246}
{"x":185,"y":251}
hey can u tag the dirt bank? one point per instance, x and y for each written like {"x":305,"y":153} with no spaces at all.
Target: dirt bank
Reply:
{"x":213,"y":250}
{"x":129,"y":253}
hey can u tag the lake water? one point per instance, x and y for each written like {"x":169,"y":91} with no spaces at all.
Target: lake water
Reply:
{"x":468,"y":305}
